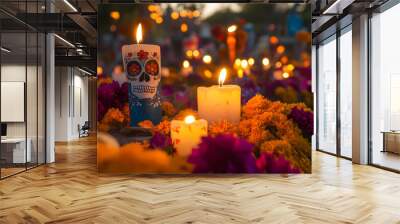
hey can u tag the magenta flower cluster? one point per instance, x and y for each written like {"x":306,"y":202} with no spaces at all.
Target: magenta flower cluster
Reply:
{"x":111,"y":95}
{"x":229,"y":154}
{"x":270,"y":163}
{"x":304,"y":120}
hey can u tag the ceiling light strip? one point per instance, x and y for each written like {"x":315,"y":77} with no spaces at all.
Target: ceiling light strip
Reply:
{"x":70,"y":5}
{"x":84,"y":71}
{"x":5,"y":50}
{"x":64,"y":40}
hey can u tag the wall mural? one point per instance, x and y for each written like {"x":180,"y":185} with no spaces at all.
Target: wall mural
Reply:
{"x":204,"y":88}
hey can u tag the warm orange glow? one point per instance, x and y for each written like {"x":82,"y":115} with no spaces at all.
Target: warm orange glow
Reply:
{"x":183,"y":13}
{"x":189,"y":53}
{"x":190,"y":119}
{"x":251,"y":61}
{"x":190,"y":14}
{"x":152,"y":8}
{"x":184,"y":27}
{"x":222,"y":76}
{"x":159,"y":20}
{"x":273,"y":40}
{"x":306,"y":63}
{"x":174,"y":15}
{"x":139,"y":35}
{"x":208,"y":73}
{"x":244,"y":64}
{"x":196,"y":53}
{"x":278,"y":64}
{"x":290,"y":67}
{"x":240,"y":73}
{"x":99,"y":70}
{"x":280,"y":49}
{"x":238,"y":62}
{"x":186,"y":64}
{"x":232,"y":28}
{"x":285,"y":75}
{"x":284,"y":60}
{"x":196,"y":13}
{"x":115,"y":15}
{"x":207,"y":59}
{"x":265,"y":61}
{"x":154,"y":16}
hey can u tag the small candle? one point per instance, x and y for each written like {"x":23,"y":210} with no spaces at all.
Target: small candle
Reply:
{"x":187,"y":134}
{"x":219,"y":102}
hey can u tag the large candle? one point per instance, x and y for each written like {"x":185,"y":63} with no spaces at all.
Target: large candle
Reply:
{"x":142,"y":63}
{"x":219,"y":102}
{"x":187,"y":134}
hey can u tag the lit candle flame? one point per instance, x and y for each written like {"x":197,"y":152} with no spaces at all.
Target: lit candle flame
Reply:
{"x":190,"y":119}
{"x":139,"y":34}
{"x":222,"y":76}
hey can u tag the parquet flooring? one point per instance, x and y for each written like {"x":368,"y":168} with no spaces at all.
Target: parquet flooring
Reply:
{"x":71,"y":191}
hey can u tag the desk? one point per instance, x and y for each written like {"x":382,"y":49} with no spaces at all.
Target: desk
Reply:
{"x":16,"y":148}
{"x":391,"y":141}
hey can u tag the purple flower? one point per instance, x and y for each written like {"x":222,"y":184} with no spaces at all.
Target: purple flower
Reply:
{"x":223,"y":154}
{"x":304,"y":120}
{"x":111,"y":95}
{"x":167,"y":90}
{"x":101,"y":111}
{"x":160,"y":141}
{"x":249,"y":88}
{"x":269,"y":163}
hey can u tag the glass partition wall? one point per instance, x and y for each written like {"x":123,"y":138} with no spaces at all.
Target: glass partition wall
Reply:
{"x":345,"y":91}
{"x":385,"y":89}
{"x":327,"y":96}
{"x":334,"y":94}
{"x":22,"y":77}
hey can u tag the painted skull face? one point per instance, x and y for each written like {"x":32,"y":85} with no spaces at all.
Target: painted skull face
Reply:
{"x":143,"y":69}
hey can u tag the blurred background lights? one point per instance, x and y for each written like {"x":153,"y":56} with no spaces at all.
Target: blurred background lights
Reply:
{"x":115,"y":15}
{"x":207,"y":59}
{"x":184,"y":27}
{"x":265,"y":61}
{"x":186,"y":64}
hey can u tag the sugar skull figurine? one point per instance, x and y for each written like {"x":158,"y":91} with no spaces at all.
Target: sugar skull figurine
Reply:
{"x":142,"y":64}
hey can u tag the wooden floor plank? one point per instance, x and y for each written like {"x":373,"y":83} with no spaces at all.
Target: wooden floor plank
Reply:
{"x":72,"y":191}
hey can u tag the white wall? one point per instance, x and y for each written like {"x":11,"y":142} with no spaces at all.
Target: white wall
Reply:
{"x":71,"y":102}
{"x":33,"y":127}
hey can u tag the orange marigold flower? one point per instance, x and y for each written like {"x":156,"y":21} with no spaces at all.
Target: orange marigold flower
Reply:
{"x":114,"y":118}
{"x":254,"y":106}
{"x":168,"y":108}
{"x":146,"y":124}
{"x":107,"y":80}
{"x":222,"y":127}
{"x":163,"y":127}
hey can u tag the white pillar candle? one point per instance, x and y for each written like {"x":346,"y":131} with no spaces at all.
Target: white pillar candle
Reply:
{"x":187,"y":134}
{"x":142,"y":64}
{"x":219,"y":102}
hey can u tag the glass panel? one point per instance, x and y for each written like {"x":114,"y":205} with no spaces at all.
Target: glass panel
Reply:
{"x":13,"y":86}
{"x":31,"y":98}
{"x":41,"y":99}
{"x":385,"y":84}
{"x":327,"y":96}
{"x":346,"y":94}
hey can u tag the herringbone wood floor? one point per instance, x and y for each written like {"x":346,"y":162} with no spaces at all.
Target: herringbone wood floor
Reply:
{"x":71,"y":191}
